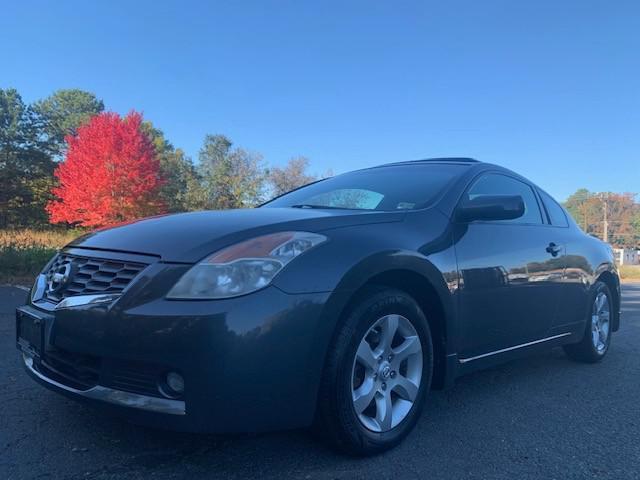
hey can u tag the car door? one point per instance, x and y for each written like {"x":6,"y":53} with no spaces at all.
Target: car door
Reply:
{"x":510,"y":272}
{"x":573,"y":294}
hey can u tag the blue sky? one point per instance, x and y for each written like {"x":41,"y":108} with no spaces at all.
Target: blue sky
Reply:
{"x":550,"y":89}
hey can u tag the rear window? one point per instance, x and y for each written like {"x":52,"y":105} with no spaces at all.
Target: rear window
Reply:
{"x":555,"y":211}
{"x":402,"y":187}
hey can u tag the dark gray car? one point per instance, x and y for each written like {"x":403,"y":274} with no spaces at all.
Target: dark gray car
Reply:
{"x":337,"y":305}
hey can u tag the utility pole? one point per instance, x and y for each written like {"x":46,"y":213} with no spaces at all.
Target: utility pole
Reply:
{"x":606,"y":223}
{"x":604,"y":196}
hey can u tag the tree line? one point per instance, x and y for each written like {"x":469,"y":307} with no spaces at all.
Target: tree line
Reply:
{"x":64,"y":159}
{"x":614,"y":217}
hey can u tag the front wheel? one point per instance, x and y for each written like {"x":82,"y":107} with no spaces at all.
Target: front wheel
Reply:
{"x":377,"y":373}
{"x":597,"y":336}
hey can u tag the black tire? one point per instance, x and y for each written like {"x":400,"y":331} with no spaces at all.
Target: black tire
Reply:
{"x":336,"y":418}
{"x":585,"y":351}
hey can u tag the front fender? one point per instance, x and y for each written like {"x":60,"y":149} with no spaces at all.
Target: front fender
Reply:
{"x":441,"y":275}
{"x":354,"y":257}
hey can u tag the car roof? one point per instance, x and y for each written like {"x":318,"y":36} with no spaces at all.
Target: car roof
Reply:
{"x":475,"y":166}
{"x":461,"y":160}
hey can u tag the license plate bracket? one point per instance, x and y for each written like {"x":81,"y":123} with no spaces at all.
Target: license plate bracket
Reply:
{"x":30,"y":332}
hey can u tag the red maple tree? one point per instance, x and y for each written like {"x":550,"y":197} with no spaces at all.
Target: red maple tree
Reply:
{"x":111,"y":174}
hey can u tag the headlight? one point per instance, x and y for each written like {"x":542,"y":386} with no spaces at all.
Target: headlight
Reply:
{"x":245,"y":267}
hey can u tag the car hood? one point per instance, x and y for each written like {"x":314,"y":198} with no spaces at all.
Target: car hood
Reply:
{"x":189,"y":237}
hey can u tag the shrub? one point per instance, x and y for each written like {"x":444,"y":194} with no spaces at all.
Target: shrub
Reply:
{"x":23,"y":253}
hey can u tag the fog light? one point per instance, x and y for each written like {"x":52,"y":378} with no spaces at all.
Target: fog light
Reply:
{"x":175,"y":382}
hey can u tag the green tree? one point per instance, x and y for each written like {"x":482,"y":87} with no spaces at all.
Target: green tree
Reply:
{"x":18,"y":123}
{"x":585,"y":209}
{"x":293,"y":175}
{"x":181,"y":190}
{"x":231,"y":177}
{"x":25,"y":169}
{"x":62,"y":113}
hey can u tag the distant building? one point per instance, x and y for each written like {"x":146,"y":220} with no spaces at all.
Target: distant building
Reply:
{"x":626,"y":256}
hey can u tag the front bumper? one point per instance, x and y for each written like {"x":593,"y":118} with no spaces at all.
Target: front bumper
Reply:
{"x":251,"y":363}
{"x":106,"y":394}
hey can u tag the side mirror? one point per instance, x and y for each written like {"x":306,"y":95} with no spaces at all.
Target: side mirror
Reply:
{"x":491,"y":207}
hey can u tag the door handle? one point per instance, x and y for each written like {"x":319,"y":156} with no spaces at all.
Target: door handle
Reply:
{"x":554,"y":249}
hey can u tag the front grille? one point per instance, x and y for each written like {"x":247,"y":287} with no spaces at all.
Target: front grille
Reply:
{"x":89,"y":276}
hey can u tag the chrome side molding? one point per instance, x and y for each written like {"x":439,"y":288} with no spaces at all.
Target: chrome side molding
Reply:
{"x":515,"y":347}
{"x":116,"y":397}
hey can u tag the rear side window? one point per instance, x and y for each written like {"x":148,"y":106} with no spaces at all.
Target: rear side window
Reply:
{"x":555,"y":211}
{"x":497,"y":184}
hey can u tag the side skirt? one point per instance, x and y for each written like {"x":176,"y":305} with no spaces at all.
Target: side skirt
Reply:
{"x":460,"y":366}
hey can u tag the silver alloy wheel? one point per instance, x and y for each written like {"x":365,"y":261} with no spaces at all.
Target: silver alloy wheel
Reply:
{"x":386,"y":373}
{"x":600,"y":322}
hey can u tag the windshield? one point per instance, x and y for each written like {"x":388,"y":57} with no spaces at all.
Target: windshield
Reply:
{"x":401,"y":187}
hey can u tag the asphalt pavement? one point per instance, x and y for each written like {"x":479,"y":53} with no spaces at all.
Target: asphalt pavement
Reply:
{"x":544,"y":417}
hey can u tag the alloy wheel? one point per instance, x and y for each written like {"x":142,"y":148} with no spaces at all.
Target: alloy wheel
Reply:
{"x":600,"y":322}
{"x":386,"y":374}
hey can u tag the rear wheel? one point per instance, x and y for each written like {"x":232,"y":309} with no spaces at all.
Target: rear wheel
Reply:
{"x":597,"y":337}
{"x":377,"y":373}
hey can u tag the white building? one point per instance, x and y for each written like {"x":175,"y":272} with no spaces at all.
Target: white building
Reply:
{"x":626,"y":256}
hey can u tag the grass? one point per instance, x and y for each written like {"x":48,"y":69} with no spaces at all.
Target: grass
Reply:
{"x":23,"y":253}
{"x":629,"y":272}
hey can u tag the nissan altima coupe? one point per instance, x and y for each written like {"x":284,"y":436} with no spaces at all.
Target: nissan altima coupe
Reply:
{"x":338,"y":305}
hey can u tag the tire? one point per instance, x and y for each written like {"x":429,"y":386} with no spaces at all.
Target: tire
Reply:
{"x":341,"y":418}
{"x":593,"y":348}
